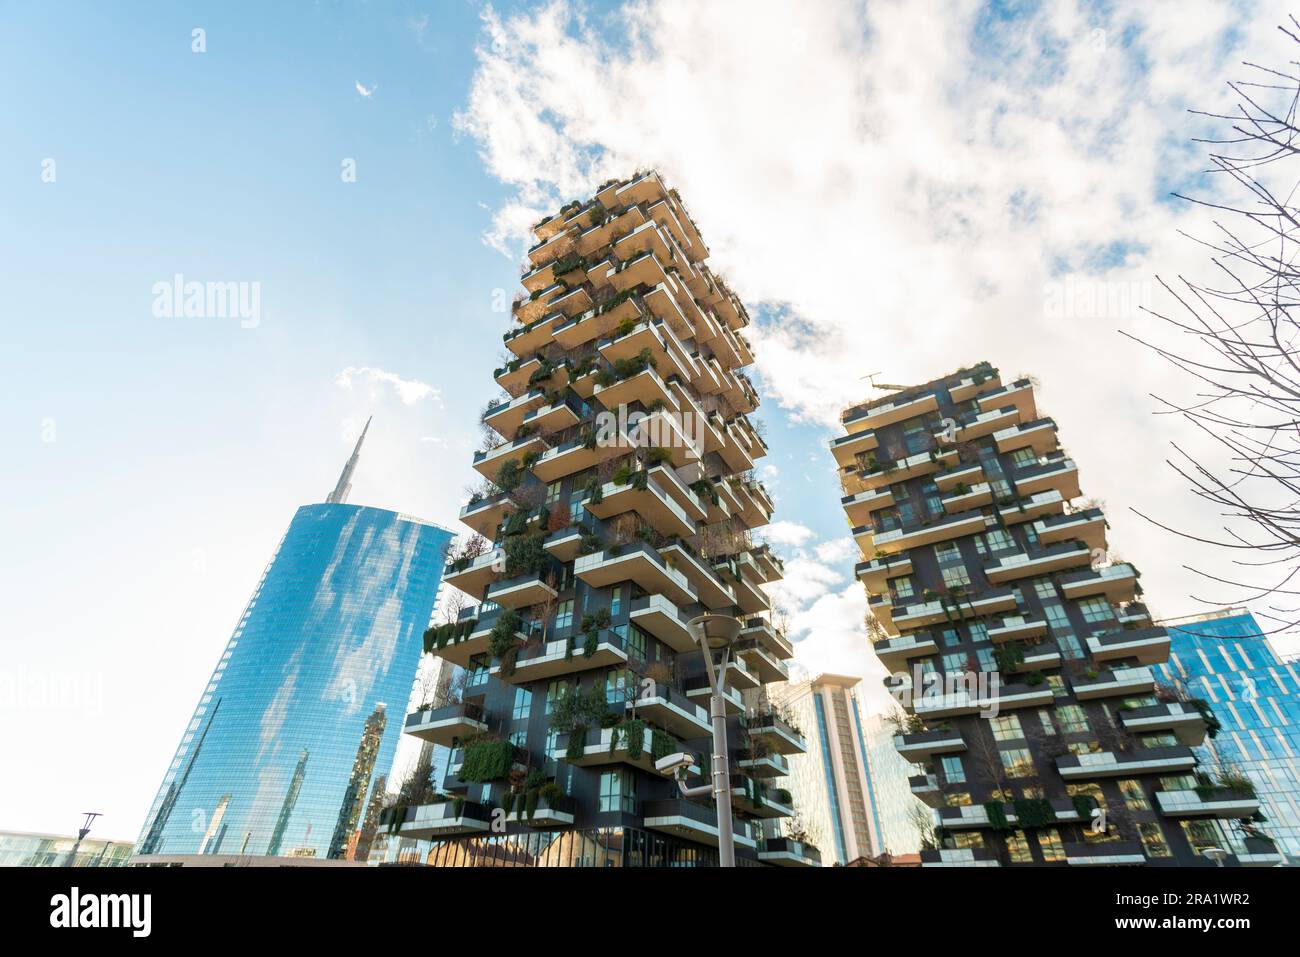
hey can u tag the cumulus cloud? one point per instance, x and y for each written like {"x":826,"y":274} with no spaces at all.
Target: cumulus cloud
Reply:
{"x":409,"y":391}
{"x":905,"y":188}
{"x":787,"y":533}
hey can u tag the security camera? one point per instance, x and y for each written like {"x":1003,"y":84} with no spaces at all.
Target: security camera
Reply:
{"x":675,"y":765}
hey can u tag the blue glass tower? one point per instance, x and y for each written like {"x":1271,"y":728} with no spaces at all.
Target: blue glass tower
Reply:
{"x":1223,"y":658}
{"x":287,"y":750}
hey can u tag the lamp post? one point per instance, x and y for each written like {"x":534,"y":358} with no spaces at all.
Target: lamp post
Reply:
{"x":716,"y":634}
{"x":81,"y":836}
{"x":1216,"y":854}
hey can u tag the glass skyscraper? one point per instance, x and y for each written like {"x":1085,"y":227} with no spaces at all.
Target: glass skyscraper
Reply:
{"x":286,"y":752}
{"x":1223,"y":658}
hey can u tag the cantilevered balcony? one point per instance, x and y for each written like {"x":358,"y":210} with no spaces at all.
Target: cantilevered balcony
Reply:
{"x":972,"y":385}
{"x":488,"y":463}
{"x":760,"y":629}
{"x":877,"y":474}
{"x":959,"y":857}
{"x":895,"y":653}
{"x":442,"y":819}
{"x":1184,"y":721}
{"x":766,"y":666}
{"x":524,"y":591}
{"x":639,"y":563}
{"x":565,"y":544}
{"x":1039,"y":561}
{"x":517,"y":376}
{"x":932,"y":704}
{"x":934,"y":611}
{"x":485,"y":515}
{"x":1016,"y":628}
{"x":445,"y":725}
{"x":713,"y":591}
{"x":968,"y":475}
{"x":921,"y":747}
{"x":645,"y":387}
{"x":887,"y":413}
{"x":1055,"y":473}
{"x":671,"y":710}
{"x":925,"y":788}
{"x":1207,"y":802}
{"x":599,"y":748}
{"x":1105,"y":854}
{"x":645,"y":497}
{"x":1019,"y":393}
{"x":860,"y":507}
{"x":784,"y":852}
{"x":755,"y":504}
{"x":694,"y":822}
{"x":506,"y":417}
{"x":769,"y":563}
{"x":776,"y":733}
{"x":1033,"y":507}
{"x":1037,"y":434}
{"x":876,"y":573}
{"x":556,"y":416}
{"x":528,"y":338}
{"x":750,"y":796}
{"x":1133,"y":615}
{"x":1117,"y":764}
{"x":1088,"y":526}
{"x":1040,"y":657}
{"x":541,"y":661}
{"x":1258,"y":851}
{"x":557,"y":811}
{"x":658,"y":616}
{"x":475,"y":575}
{"x":1117,"y":582}
{"x":1150,"y":646}
{"x":471,"y":646}
{"x":665,"y":349}
{"x":920,"y":533}
{"x":964,"y":498}
{"x":1119,"y":683}
{"x":697,"y":689}
{"x":980,"y":424}
{"x":763,"y":763}
{"x":847,"y":448}
{"x":749,"y":597}
{"x":579,"y":455}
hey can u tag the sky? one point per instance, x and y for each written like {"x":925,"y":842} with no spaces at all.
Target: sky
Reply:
{"x":893,"y":188}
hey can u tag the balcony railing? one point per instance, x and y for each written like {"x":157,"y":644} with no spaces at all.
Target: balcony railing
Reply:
{"x":695,"y":822}
{"x":1111,"y":764}
{"x":784,"y":852}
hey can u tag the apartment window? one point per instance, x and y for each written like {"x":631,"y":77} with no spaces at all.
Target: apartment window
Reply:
{"x":955,"y":576}
{"x":1045,"y":588}
{"x":968,"y":839}
{"x":1135,"y":799}
{"x":1045,"y":719}
{"x":999,"y":539}
{"x":1049,"y":842}
{"x":1153,"y":840}
{"x":954,"y":662}
{"x":554,"y":692}
{"x":1069,"y":645}
{"x":953,"y":772}
{"x":576,"y":510}
{"x":947,"y":552}
{"x":916,"y":438}
{"x":564,"y":615}
{"x":615,"y":600}
{"x":553,"y":493}
{"x":1017,"y":762}
{"x":1022,"y":458}
{"x":903,"y":587}
{"x":1096,"y":609}
{"x":948,"y":638}
{"x":523,"y":703}
{"x":985,"y":656}
{"x":1073,"y":719}
{"x":634,"y":642}
{"x":979,"y":632}
{"x":616,"y":685}
{"x":1203,"y":834}
{"x":519,"y":738}
{"x":617,"y":792}
{"x":1018,"y":848}
{"x":1006,"y":727}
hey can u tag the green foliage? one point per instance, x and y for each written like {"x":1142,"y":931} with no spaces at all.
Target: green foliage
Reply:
{"x":662,"y":744}
{"x":457,"y":806}
{"x":578,"y":710}
{"x":502,"y":640}
{"x":509,"y":476}
{"x":1034,"y":812}
{"x":622,"y":475}
{"x":705,"y":490}
{"x":1034,"y":678}
{"x":487,"y":761}
{"x":632,"y":730}
{"x":1008,"y":657}
{"x":658,"y":456}
{"x":997,"y":816}
{"x":526,"y":555}
{"x":439,"y":636}
{"x":1083,"y":805}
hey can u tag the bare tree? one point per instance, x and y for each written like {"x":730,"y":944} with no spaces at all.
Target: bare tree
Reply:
{"x":1238,"y":343}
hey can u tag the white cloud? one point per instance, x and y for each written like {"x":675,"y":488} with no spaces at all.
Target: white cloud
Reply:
{"x":787,"y":533}
{"x":366,"y":92}
{"x":837,"y":551}
{"x":906,"y":188}
{"x":410,"y":391}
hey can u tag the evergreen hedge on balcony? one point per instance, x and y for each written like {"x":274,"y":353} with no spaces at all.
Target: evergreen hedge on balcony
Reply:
{"x":487,"y":761}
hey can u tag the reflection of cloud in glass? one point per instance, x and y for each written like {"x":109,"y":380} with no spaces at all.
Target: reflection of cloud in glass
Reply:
{"x":277,"y":709}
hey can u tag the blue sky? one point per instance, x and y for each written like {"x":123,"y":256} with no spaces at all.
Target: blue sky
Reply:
{"x":156,"y":461}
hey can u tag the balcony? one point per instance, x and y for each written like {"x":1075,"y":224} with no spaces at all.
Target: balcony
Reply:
{"x":919,"y":533}
{"x":751,"y":797}
{"x":557,"y":811}
{"x":783,"y":852}
{"x":1183,"y":720}
{"x":522,"y":591}
{"x":1150,"y":646}
{"x":565,"y":544}
{"x":887,"y":413}
{"x":959,"y":857}
{"x":972,"y":385}
{"x":934,"y":611}
{"x":694,"y":822}
{"x":1016,"y":628}
{"x":760,"y":629}
{"x":969,"y":475}
{"x":964,"y":498}
{"x":474,"y":577}
{"x":933,"y":704}
{"x":749,"y":597}
{"x":555,"y":416}
{"x":1059,"y":474}
{"x":860,"y":507}
{"x":428,"y":822}
{"x":1122,"y":682}
{"x":1259,"y":852}
{"x":475,"y":644}
{"x":1133,"y":615}
{"x":580,"y":455}
{"x":1105,"y":854}
{"x":921,"y":747}
{"x":925,"y":788}
{"x":665,"y":349}
{"x":765,"y":666}
{"x":876,"y":573}
{"x":698,"y":689}
{"x":648,"y":500}
{"x":1117,"y":582}
{"x":506,"y":417}
{"x":763,"y":764}
{"x":488,"y":463}
{"x":971,"y":427}
{"x":895,"y":653}
{"x":445,"y":725}
{"x":777,"y":734}
{"x":635,"y":563}
{"x":645,"y":387}
{"x":877,"y":474}
{"x":672,"y":711}
{"x":540,"y":661}
{"x":1207,"y":802}
{"x":1116,"y":764}
{"x":1041,"y":657}
{"x":1038,"y":434}
{"x":847,"y":448}
{"x":1020,"y":394}
{"x":1034,"y":507}
{"x":658,"y":616}
{"x":713,"y":591}
{"x":769,"y":563}
{"x":598,"y":748}
{"x":1089,"y":526}
{"x":1030,"y":563}
{"x":535,"y":333}
{"x":486,"y":515}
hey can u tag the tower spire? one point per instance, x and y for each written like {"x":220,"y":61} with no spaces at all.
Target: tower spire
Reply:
{"x":340,"y":493}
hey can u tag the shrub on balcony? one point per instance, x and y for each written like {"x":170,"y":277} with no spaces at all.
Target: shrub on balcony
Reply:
{"x":510,"y":476}
{"x":487,"y":761}
{"x":1034,"y":679}
{"x":997,"y":815}
{"x":662,"y":744}
{"x":658,"y":456}
{"x":503,"y":643}
{"x":1008,"y":658}
{"x":1083,"y":805}
{"x":632,"y":732}
{"x":526,"y":555}
{"x":622,"y":475}
{"x":1034,"y":812}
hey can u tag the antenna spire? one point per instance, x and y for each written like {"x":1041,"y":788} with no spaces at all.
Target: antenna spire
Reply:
{"x":341,"y":490}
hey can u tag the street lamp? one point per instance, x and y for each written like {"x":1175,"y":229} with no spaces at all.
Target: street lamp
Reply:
{"x":715,"y":634}
{"x":1216,"y":854}
{"x":81,"y":836}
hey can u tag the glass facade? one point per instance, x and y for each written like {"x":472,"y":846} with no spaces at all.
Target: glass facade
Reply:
{"x":18,"y":849}
{"x":288,"y":749}
{"x":1255,"y":695}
